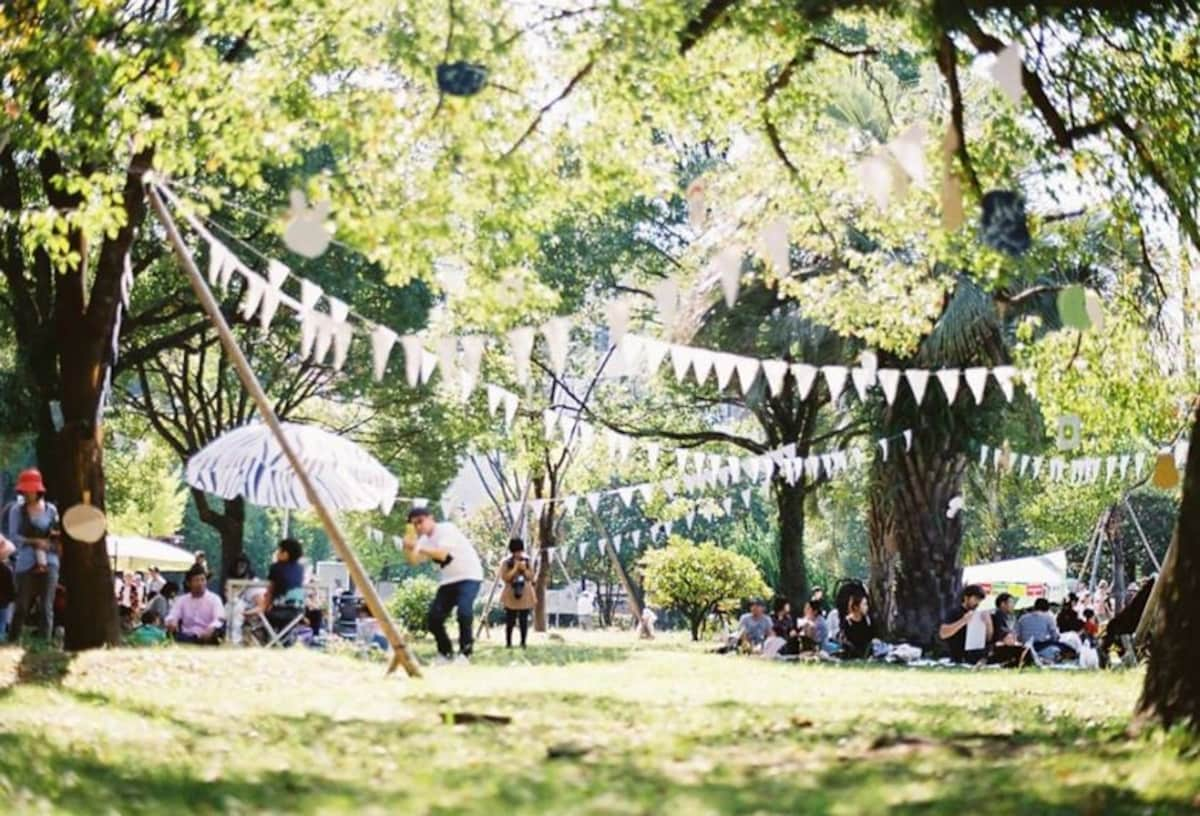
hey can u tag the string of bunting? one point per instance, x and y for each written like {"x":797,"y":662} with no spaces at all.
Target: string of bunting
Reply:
{"x":1079,"y":469}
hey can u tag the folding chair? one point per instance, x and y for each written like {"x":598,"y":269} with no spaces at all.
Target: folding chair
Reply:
{"x":288,"y":612}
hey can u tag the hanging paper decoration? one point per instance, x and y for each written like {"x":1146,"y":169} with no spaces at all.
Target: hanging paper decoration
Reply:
{"x":646,"y":490}
{"x":615,"y":541}
{"x":1006,"y":72}
{"x":654,"y":351}
{"x":277,"y":275}
{"x":550,"y":423}
{"x":681,"y":360}
{"x":917,"y":379}
{"x":878,"y":178}
{"x":510,"y":408}
{"x":557,"y":331}
{"x":343,"y":333}
{"x":652,"y":454}
{"x":702,"y":363}
{"x":616,"y":313}
{"x":774,"y":246}
{"x":728,"y":268}
{"x":593,"y":501}
{"x":461,"y":78}
{"x":520,"y":343}
{"x":948,"y":379}
{"x":428,"y":364}
{"x":889,"y":381}
{"x":636,"y":535}
{"x":724,"y":364}
{"x":570,"y":503}
{"x":631,"y":352}
{"x":472,"y":346}
{"x":908,"y":149}
{"x":1003,"y":225}
{"x":868,"y":361}
{"x":835,"y":378}
{"x":862,"y":379}
{"x":252,"y":298}
{"x":495,"y":396}
{"x":774,"y":371}
{"x":666,"y":298}
{"x":382,"y":341}
{"x":697,"y":205}
{"x":883,"y":446}
{"x":626,"y":494}
{"x":219,"y":259}
{"x":977,"y":381}
{"x":412,"y":358}
{"x":307,"y":232}
{"x":1070,"y":432}
{"x":583,"y":549}
{"x":624,"y":447}
{"x":447,"y":355}
{"x":1166,"y":474}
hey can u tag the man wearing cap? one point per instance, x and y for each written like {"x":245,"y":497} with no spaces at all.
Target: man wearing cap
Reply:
{"x":445,"y":545}
{"x":35,"y":527}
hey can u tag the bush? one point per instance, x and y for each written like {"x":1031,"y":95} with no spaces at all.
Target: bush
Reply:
{"x":699,"y":580}
{"x":410,"y":605}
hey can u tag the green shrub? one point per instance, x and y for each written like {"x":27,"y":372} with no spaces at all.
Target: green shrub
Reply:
{"x":410,"y":605}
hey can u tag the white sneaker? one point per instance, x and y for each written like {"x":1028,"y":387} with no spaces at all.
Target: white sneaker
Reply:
{"x":462,"y":658}
{"x":442,"y":660}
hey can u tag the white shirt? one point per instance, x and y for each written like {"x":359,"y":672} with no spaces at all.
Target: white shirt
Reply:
{"x":465,"y":566}
{"x":976,"y":631}
{"x":584,"y":605}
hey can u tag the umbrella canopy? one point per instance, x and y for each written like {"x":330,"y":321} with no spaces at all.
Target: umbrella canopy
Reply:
{"x":133,"y":553}
{"x":248,"y":462}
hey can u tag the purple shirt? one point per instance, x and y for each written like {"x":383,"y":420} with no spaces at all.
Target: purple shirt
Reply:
{"x":197,"y":616}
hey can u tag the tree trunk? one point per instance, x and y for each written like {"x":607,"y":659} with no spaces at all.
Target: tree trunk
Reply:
{"x":914,"y":549}
{"x":230,"y":525}
{"x":793,"y":578}
{"x":1171,"y":693}
{"x":696,"y":623}
{"x":546,"y":547}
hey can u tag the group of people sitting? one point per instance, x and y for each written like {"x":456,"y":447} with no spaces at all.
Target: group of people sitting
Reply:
{"x":969,"y":634}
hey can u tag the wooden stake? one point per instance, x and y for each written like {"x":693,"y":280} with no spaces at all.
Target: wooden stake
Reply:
{"x":400,"y":653}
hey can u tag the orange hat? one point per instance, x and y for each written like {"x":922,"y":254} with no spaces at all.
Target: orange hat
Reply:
{"x":30,"y":481}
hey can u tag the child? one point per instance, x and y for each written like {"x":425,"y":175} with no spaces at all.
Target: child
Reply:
{"x":1091,"y":626}
{"x":150,"y":633}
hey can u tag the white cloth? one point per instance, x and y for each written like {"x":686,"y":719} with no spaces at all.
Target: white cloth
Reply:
{"x":465,"y":565}
{"x":976,"y":631}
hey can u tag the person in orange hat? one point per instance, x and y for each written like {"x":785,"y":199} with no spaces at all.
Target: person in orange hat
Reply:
{"x":35,"y":523}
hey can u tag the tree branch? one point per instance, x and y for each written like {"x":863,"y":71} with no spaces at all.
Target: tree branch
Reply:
{"x":948,"y":64}
{"x":537,"y":120}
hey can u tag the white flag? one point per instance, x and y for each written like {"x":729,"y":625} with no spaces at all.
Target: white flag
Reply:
{"x":616,"y":312}
{"x":983,"y":455}
{"x":510,"y":408}
{"x":908,"y":441}
{"x":382,"y":341}
{"x":495,"y":396}
{"x":805,"y":375}
{"x":277,"y":275}
{"x":636,"y":535}
{"x":889,"y":381}
{"x":681,"y":459}
{"x":681,"y":361}
{"x":948,"y":378}
{"x":883,"y":446}
{"x":583,"y":549}
{"x":750,"y":465}
{"x":702,"y":364}
{"x":1004,"y":378}
{"x":472,"y":346}
{"x":557,"y":331}
{"x":1006,"y":72}
{"x":747,"y":494}
{"x":976,"y":381}
{"x":652,"y":453}
{"x":550,"y":421}
{"x":773,"y":246}
{"x":917,"y":378}
{"x":835,"y":377}
{"x":727,"y":505}
{"x":735,"y":467}
{"x":343,"y":336}
{"x":593,"y":500}
{"x":646,"y":489}
{"x":252,"y":299}
{"x":428,"y":364}
{"x":570,"y":503}
{"x":774,"y":370}
{"x":666,"y":298}
{"x":653,"y":352}
{"x":747,"y":371}
{"x":615,"y":541}
{"x":447,"y":355}
{"x":412,"y":358}
{"x":689,"y":517}
{"x":624,"y":447}
{"x":310,"y":293}
{"x":520,"y":344}
{"x":724,"y":364}
{"x":727,"y":266}
{"x":1037,"y":466}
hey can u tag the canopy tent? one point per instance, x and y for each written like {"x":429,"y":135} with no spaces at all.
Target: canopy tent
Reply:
{"x":132,"y":553}
{"x":248,"y":462}
{"x":1027,"y":579}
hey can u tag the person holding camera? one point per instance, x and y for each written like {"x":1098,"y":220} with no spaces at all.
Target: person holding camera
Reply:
{"x":35,"y":523}
{"x":444,"y":544}
{"x":518,"y":597}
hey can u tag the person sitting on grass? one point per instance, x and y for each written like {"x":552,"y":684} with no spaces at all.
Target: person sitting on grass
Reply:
{"x":1068,"y":617}
{"x":150,"y":633}
{"x":856,"y":634}
{"x":198,"y":616}
{"x":754,"y":627}
{"x":967,"y":631}
{"x":782,"y":622}
{"x":1038,"y":631}
{"x":161,"y":603}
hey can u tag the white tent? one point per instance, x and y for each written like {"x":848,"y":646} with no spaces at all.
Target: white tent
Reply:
{"x":137,"y":553}
{"x":1029,"y":578}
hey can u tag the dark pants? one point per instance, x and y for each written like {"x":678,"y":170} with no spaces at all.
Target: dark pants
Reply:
{"x":511,"y":618}
{"x":460,"y":595}
{"x":37,"y":585}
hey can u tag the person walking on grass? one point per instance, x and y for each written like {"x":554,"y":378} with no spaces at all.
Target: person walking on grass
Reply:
{"x":445,"y":545}
{"x":518,"y":597}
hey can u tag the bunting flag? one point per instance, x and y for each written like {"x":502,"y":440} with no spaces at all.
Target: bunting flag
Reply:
{"x":689,"y":517}
{"x":472,"y":346}
{"x":277,"y":275}
{"x":253,"y":295}
{"x":510,"y":408}
{"x":428,"y":364}
{"x":702,"y":364}
{"x":908,"y":437}
{"x":616,"y":313}
{"x":835,"y":378}
{"x":908,"y":150}
{"x":862,"y":380}
{"x":728,"y":268}
{"x":382,"y":341}
{"x":550,"y":422}
{"x":681,"y":360}
{"x":343,"y":332}
{"x":626,"y":494}
{"x":557,"y":331}
{"x":653,"y":353}
{"x":724,"y":365}
{"x":411,"y":344}
{"x":647,"y":492}
{"x":570,"y":503}
{"x":889,"y":381}
{"x":948,"y":379}
{"x":666,"y":299}
{"x":774,"y":371}
{"x":631,"y":352}
{"x":447,"y":355}
{"x":520,"y":344}
{"x":805,"y":375}
{"x":747,"y":372}
{"x":883,"y":446}
{"x":583,"y":549}
{"x":495,"y":396}
{"x":774,"y":246}
{"x":593,"y":501}
{"x":636,"y":535}
{"x":652,"y":453}
{"x":615,"y":541}
{"x":1004,"y":378}
{"x":727,"y":505}
{"x":1007,"y":71}
{"x":977,"y":381}
{"x":917,"y":379}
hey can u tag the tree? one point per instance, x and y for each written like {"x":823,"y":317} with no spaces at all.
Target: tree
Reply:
{"x":699,"y":580}
{"x":410,"y":604}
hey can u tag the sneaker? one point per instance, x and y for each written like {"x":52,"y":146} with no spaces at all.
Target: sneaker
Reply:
{"x":442,"y":660}
{"x":462,"y":658}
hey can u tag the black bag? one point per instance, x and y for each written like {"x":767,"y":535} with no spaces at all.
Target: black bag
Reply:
{"x":8,"y":585}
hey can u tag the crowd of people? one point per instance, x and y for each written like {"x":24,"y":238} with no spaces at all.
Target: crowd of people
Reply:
{"x":969,"y":634}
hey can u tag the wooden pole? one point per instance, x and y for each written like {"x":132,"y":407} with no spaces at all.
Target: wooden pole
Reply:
{"x":400,"y":654}
{"x":620,"y":569}
{"x":1137,"y":526}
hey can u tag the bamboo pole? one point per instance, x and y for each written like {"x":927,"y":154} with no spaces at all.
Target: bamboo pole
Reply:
{"x":400,"y":653}
{"x":634,"y":606}
{"x":1137,"y":525}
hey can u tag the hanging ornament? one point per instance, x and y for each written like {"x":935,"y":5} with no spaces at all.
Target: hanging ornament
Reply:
{"x":307,"y":232}
{"x":877,"y":176}
{"x":654,"y":351}
{"x":510,"y":408}
{"x":774,"y":247}
{"x":557,"y":331}
{"x":728,"y":268}
{"x":948,"y":379}
{"x":520,"y":343}
{"x":805,"y":375}
{"x":1166,"y":473}
{"x":461,"y":78}
{"x":1003,"y":224}
{"x":382,"y":341}
{"x":1004,"y":378}
{"x":976,"y":378}
{"x":697,"y":205}
{"x":918,"y":379}
{"x":447,"y":355}
{"x":666,"y":299}
{"x":775,"y":371}
{"x":681,"y":360}
{"x":862,"y":379}
{"x":616,"y":313}
{"x":747,"y":371}
{"x":723,"y":364}
{"x":889,"y":381}
{"x":277,"y":274}
{"x":1006,"y":72}
{"x":472,"y":346}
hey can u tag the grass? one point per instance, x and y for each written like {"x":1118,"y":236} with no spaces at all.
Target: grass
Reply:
{"x":601,"y":724}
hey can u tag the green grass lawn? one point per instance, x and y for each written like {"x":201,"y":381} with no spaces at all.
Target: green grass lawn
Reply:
{"x":600,"y":724}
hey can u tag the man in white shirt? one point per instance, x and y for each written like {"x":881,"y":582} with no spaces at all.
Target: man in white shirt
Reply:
{"x":198,"y":616}
{"x":462,"y":573}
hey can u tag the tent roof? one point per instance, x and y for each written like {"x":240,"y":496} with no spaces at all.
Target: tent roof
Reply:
{"x":137,"y":553}
{"x":1049,"y":569}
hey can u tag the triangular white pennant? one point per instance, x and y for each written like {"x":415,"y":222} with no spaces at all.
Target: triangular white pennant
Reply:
{"x":827,"y":463}
{"x":310,"y":293}
{"x":593,"y":501}
{"x":948,"y":379}
{"x":666,"y":526}
{"x":631,"y":352}
{"x":666,"y":298}
{"x":535,"y":507}
{"x":616,"y":313}
{"x":774,"y":371}
{"x":670,"y":487}
{"x":570,"y":503}
{"x":747,"y":371}
{"x":889,"y":381}
{"x":218,"y":256}
{"x":495,"y":396}
{"x":1037,"y":466}
{"x":908,"y":149}
{"x":636,"y":535}
{"x":309,"y":323}
{"x":1006,"y":72}
{"x":868,"y":361}
{"x":615,"y":541}
{"x":862,"y":379}
{"x":702,"y":363}
{"x":735,"y":468}
{"x":472,"y":346}
{"x":510,"y":408}
{"x":883,"y":446}
{"x":343,"y":336}
{"x":520,"y":346}
{"x":1004,"y":378}
{"x":1139,"y":463}
{"x":917,"y":378}
{"x":835,"y":378}
{"x":689,"y":517}
{"x":412,"y":358}
{"x":908,"y":441}
{"x":583,"y":546}
{"x":727,"y":505}
{"x":646,"y":489}
{"x":557,"y":331}
{"x":1026,"y":459}
{"x":653,"y":353}
{"x":1124,"y":464}
{"x":277,"y":275}
{"x":724,"y":364}
{"x":382,"y":341}
{"x":751,"y":465}
{"x":977,"y":381}
{"x":681,"y":361}
{"x":681,"y":459}
{"x":653,"y":451}
{"x":773,"y":246}
{"x":841,"y":460}
{"x":983,"y":455}
{"x":447,"y":355}
{"x":624,"y":447}
{"x":611,"y":443}
{"x":728,"y":267}
{"x":252,"y":299}
{"x":747,"y":496}
{"x":550,"y":421}
{"x":428,"y":365}
{"x":805,"y":375}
